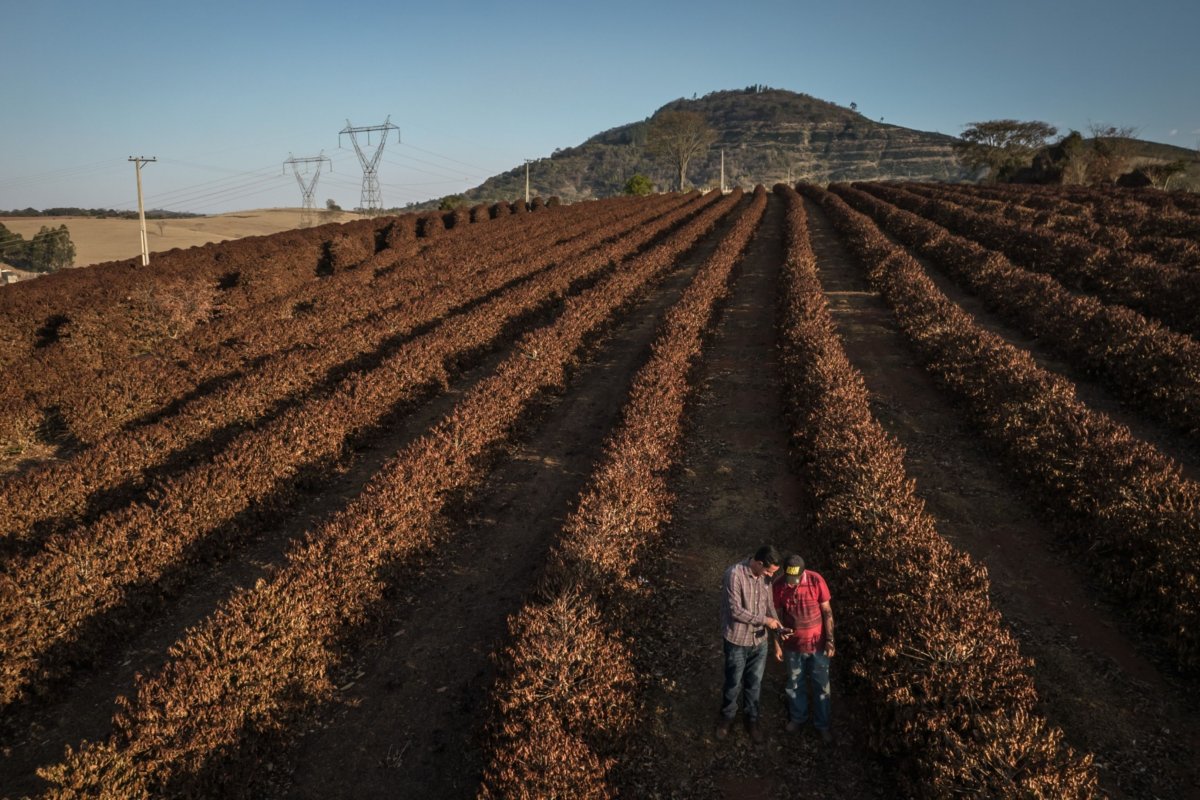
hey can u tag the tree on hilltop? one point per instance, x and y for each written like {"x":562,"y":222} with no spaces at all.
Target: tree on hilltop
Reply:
{"x":678,"y":137}
{"x":639,"y":185}
{"x":1112,"y":152}
{"x":1001,"y":146}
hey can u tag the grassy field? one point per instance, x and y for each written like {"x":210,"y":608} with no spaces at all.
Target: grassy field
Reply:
{"x":100,"y":240}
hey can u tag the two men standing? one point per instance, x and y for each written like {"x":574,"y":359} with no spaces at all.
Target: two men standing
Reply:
{"x":797,"y":609}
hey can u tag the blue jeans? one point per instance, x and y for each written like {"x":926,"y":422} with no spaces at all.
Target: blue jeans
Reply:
{"x":743,"y":670}
{"x":802,"y":668}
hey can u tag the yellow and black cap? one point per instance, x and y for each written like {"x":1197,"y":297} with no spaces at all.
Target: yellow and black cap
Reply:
{"x":793,"y":568}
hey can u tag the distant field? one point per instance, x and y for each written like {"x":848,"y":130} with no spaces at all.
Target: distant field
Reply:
{"x":99,"y":240}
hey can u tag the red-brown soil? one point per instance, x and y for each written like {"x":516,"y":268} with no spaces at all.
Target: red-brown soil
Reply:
{"x":412,"y":699}
{"x":1098,"y":680}
{"x":737,"y":492}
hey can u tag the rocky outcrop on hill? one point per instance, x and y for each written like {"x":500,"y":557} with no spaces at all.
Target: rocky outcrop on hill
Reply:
{"x":767,"y":135}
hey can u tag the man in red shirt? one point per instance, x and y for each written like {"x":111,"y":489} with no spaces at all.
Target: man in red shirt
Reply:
{"x":802,"y":602}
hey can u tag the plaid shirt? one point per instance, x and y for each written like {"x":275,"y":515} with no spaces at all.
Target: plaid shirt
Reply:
{"x":746,"y":602}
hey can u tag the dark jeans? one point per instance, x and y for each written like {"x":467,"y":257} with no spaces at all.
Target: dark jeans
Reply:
{"x":804,"y":668}
{"x":743,"y":671}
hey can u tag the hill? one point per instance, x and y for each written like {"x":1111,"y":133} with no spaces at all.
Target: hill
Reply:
{"x":768,"y":135}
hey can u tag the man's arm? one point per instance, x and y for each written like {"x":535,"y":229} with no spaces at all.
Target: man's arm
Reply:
{"x":735,"y":597}
{"x":735,"y":594}
{"x":827,"y":620}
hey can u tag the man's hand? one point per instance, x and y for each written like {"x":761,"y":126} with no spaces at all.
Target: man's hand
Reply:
{"x":778,"y":652}
{"x":830,"y":650}
{"x":772,"y":623}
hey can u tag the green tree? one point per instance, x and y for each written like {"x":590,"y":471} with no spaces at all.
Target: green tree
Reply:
{"x":639,"y":185}
{"x":14,"y":249}
{"x":451,"y":202}
{"x":51,"y":249}
{"x":1001,"y":146}
{"x":678,"y":137}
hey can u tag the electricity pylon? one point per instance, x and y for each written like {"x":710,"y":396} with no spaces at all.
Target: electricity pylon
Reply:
{"x":307,"y":188}
{"x":372,"y":200}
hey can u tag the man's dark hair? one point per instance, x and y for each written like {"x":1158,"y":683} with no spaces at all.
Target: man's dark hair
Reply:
{"x":768,"y":555}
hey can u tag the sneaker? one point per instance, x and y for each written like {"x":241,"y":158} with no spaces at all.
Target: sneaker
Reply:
{"x":723,"y":727}
{"x":756,"y":734}
{"x":826,"y":735}
{"x":794,"y":725}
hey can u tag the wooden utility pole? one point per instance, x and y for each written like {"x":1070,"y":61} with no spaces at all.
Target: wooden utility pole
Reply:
{"x":722,"y":170}
{"x":138,"y":162}
{"x":528,"y":161}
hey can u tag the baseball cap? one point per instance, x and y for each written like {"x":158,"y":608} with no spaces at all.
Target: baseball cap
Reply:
{"x":793,"y":568}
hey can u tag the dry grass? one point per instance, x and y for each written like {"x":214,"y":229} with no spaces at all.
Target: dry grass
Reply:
{"x":100,"y":240}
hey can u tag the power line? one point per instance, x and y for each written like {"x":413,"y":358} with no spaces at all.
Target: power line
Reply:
{"x":447,"y":158}
{"x":203,"y":186}
{"x":468,"y":176}
{"x":207,"y":189}
{"x":62,"y":173}
{"x":429,"y":172}
{"x":244,"y":194}
{"x":274,"y":183}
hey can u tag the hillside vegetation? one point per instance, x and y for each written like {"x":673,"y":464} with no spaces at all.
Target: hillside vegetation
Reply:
{"x":768,"y":135}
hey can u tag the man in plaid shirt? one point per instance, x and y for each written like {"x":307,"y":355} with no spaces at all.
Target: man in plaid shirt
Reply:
{"x":747,"y":613}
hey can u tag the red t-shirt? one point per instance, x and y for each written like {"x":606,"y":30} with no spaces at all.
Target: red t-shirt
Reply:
{"x":799,"y":608}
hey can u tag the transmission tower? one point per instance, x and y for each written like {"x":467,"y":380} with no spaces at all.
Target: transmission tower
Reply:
{"x":372,"y":201}
{"x":307,"y":187}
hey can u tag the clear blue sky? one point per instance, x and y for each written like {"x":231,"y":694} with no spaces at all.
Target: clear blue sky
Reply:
{"x":222,"y":92}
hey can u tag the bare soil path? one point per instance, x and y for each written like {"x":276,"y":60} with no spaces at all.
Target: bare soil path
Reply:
{"x":736,"y":492}
{"x":1095,"y":677}
{"x":84,"y":710}
{"x":1179,"y":447}
{"x":38,"y":734}
{"x":413,"y":718}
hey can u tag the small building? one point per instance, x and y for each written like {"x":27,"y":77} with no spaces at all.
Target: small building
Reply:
{"x":8,"y":275}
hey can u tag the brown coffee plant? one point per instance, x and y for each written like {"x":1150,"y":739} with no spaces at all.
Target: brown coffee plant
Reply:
{"x":951,"y":696}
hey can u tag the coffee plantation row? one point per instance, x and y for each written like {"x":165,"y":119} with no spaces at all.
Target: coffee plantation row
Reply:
{"x":194,"y":401}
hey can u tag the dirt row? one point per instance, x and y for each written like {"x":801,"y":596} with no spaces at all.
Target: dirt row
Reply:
{"x":1097,"y":678}
{"x":312,"y":495}
{"x":35,"y":750}
{"x":413,"y":720}
{"x":408,"y":712}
